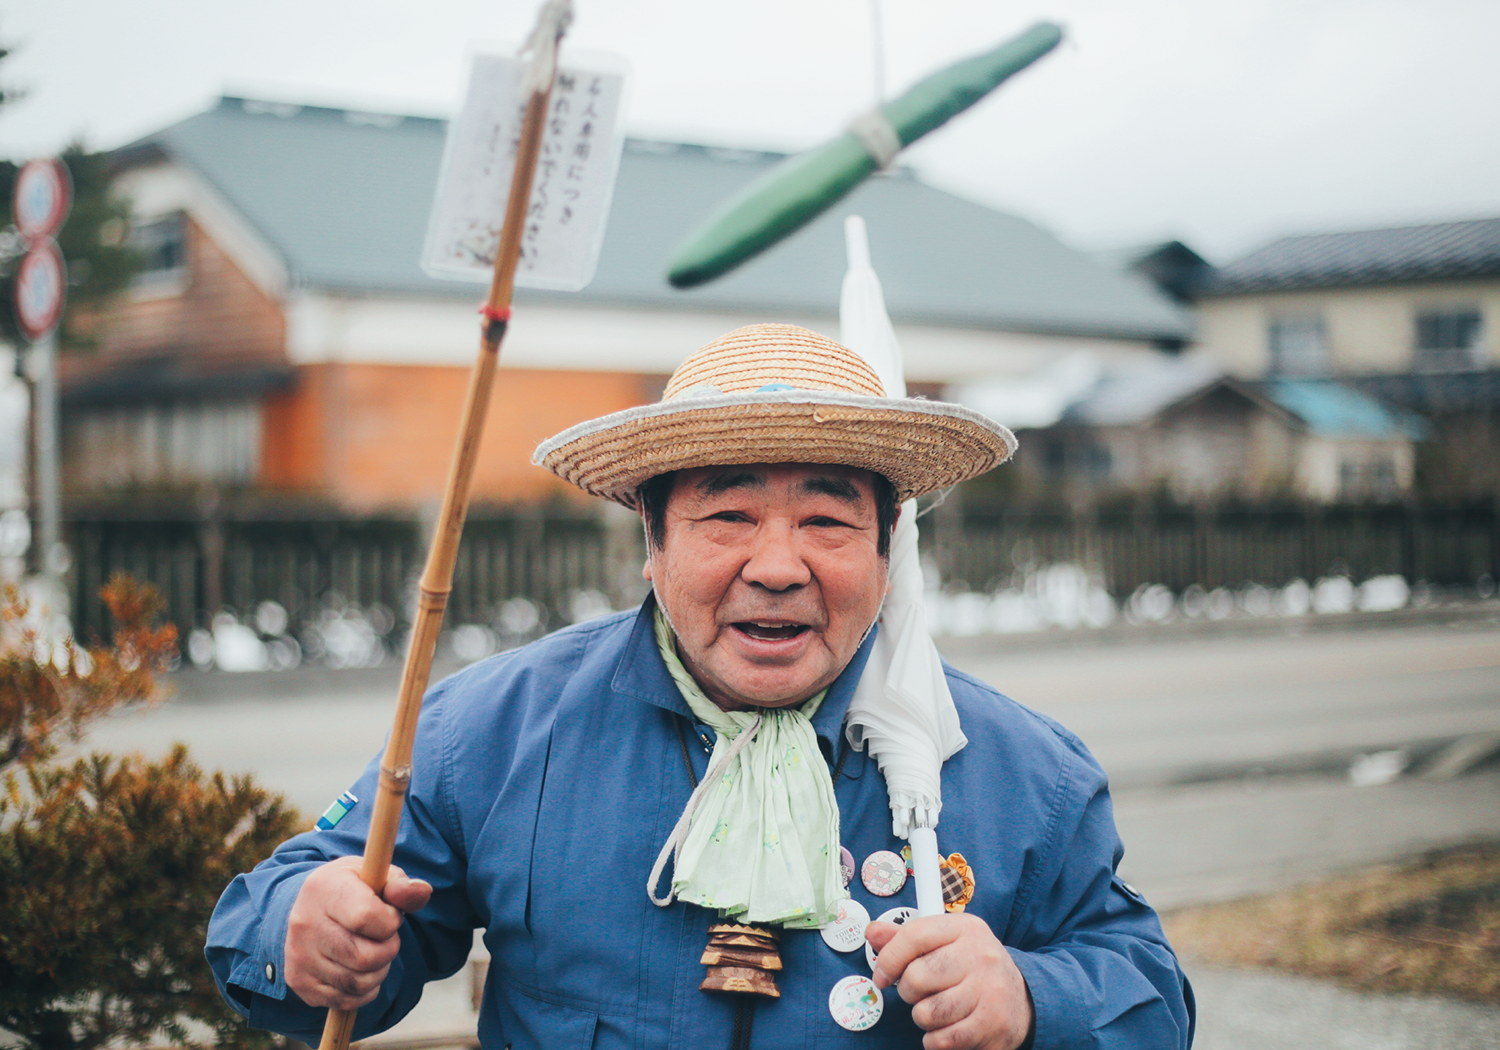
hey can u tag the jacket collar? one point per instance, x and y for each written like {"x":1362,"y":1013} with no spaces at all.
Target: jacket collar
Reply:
{"x":642,"y":674}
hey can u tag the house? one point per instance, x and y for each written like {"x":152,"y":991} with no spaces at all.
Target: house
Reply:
{"x":1186,"y":429}
{"x":1366,"y":302}
{"x":1409,"y":316}
{"x":282,"y":341}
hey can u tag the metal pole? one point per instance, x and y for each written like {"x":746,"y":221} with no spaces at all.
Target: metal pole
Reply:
{"x":48,"y":504}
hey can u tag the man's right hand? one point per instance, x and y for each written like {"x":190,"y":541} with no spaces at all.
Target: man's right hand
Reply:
{"x":341,"y":937}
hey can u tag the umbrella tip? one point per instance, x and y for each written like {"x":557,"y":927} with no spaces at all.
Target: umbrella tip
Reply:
{"x":856,"y":242}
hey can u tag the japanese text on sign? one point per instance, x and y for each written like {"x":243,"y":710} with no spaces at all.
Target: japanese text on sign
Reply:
{"x":570,"y":195}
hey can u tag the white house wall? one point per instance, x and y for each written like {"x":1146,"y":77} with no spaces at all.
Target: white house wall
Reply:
{"x":1366,"y":329}
{"x":323,"y":327}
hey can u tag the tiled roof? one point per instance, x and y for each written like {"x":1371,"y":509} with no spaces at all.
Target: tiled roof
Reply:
{"x":1412,"y":253}
{"x":344,"y":198}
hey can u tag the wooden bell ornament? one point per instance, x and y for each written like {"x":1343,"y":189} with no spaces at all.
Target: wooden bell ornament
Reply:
{"x":741,"y":959}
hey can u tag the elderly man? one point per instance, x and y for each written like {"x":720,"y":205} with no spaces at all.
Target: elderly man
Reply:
{"x":706,"y":731}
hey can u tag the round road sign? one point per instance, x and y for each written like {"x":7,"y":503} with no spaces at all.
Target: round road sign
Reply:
{"x":41,"y":281}
{"x":44,"y":193}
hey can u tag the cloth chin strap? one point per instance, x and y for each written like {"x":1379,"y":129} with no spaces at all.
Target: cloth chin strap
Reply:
{"x":758,"y":839}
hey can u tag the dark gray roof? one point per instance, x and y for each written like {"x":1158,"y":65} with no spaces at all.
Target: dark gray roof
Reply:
{"x":1170,"y":265}
{"x":344,"y":197}
{"x":1412,"y":253}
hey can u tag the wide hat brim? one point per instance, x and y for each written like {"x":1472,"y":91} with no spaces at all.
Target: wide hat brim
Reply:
{"x":921,"y":446}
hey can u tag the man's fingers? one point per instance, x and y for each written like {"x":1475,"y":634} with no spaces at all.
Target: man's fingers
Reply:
{"x":879,"y":934}
{"x":939,"y":1010}
{"x":356,"y":908}
{"x":968,"y":1032}
{"x":320,"y":978}
{"x":406,"y":893}
{"x":339,"y":990}
{"x":341,"y":937}
{"x":360,"y":955}
{"x":915,"y":939}
{"x":937,"y":971}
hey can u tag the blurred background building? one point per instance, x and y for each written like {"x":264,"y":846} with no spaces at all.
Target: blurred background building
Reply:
{"x":266,"y":413}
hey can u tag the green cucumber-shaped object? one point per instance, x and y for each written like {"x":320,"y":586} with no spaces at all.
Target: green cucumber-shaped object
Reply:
{"x":800,"y":188}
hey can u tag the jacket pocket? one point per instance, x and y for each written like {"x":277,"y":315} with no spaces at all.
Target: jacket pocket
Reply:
{"x":528,"y":1022}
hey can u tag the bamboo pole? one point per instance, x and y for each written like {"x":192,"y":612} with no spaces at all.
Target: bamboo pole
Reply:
{"x":437,"y":576}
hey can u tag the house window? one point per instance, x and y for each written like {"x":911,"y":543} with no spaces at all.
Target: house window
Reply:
{"x":162,"y":245}
{"x":1448,"y":339}
{"x":1368,"y":477}
{"x":1298,"y":346}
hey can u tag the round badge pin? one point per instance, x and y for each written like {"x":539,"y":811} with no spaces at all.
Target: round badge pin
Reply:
{"x":846,"y":865}
{"x":883,"y":873}
{"x":855,"y":1002}
{"x":847,"y":932}
{"x":896,"y":917}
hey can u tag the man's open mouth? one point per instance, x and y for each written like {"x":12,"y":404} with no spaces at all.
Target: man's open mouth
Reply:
{"x":771,"y":632}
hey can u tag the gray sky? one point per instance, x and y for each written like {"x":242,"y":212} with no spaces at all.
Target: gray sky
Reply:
{"x":1222,"y":123}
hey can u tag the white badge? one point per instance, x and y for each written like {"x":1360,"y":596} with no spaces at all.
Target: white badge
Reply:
{"x":855,"y":1002}
{"x":897,"y":917}
{"x":847,"y":932}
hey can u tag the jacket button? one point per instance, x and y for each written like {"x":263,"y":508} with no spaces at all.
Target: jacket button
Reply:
{"x":271,"y":972}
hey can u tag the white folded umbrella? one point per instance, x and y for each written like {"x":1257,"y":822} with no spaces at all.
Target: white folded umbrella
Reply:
{"x":902,"y":709}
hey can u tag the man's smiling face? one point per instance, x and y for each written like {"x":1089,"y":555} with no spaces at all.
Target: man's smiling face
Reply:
{"x":770,"y":575}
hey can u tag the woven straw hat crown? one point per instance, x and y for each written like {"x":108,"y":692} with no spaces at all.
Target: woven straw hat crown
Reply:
{"x":760,"y":355}
{"x":777,"y":393}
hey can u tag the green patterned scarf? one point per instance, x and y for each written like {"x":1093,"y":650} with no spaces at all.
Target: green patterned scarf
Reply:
{"x":761,"y":842}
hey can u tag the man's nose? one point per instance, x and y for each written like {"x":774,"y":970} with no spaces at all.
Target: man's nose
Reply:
{"x":775,"y":563}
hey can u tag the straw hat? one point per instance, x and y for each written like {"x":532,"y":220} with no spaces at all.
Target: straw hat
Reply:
{"x":776,"y":393}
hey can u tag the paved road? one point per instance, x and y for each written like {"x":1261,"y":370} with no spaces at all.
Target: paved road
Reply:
{"x":1229,"y":755}
{"x":1240,"y":1010}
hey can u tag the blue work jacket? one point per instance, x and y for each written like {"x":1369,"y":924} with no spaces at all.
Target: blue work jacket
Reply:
{"x":546,"y":780}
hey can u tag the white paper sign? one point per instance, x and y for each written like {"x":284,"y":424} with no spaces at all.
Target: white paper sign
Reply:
{"x":575,"y":174}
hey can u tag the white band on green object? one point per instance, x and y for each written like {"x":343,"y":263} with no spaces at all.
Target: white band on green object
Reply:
{"x":878,"y":136}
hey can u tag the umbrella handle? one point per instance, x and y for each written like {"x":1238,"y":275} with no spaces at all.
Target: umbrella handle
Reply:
{"x":924,"y":866}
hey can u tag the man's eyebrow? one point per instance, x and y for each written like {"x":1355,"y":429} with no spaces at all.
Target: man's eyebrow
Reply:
{"x":827,"y":485}
{"x":723,"y":482}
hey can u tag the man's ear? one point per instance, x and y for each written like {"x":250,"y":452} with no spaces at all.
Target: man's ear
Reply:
{"x":646,"y":571}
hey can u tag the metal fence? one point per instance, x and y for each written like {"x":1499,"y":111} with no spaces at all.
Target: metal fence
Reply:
{"x":204,"y":567}
{"x":1177,"y":546}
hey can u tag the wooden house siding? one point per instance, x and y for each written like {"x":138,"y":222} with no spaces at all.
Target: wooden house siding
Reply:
{"x":216,"y":314}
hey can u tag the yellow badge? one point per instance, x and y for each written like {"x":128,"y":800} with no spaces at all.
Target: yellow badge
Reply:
{"x":958,"y":882}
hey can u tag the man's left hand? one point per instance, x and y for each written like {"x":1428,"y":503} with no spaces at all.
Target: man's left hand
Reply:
{"x":963,"y":985}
